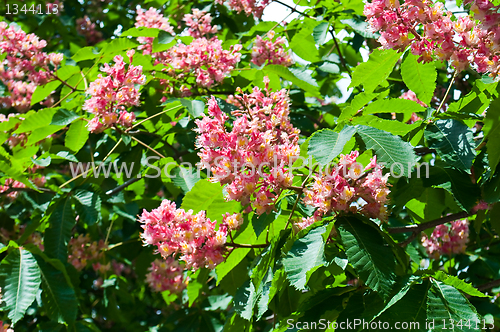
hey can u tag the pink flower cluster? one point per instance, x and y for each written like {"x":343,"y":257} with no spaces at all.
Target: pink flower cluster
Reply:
{"x":342,"y":189}
{"x":205,"y":59}
{"x":25,"y":66}
{"x":110,"y":95}
{"x":87,"y":29}
{"x":249,"y":7}
{"x":253,"y":157}
{"x":9,"y":184}
{"x":270,"y":51}
{"x":199,"y":24}
{"x":190,"y":236}
{"x":201,"y":63}
{"x":433,"y":35}
{"x":446,"y":240}
{"x":83,"y":252}
{"x":166,"y":275}
{"x":151,"y":19}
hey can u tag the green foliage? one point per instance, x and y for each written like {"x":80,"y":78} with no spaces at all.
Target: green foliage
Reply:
{"x":389,"y":149}
{"x":60,"y":296}
{"x":326,"y":144}
{"x":419,"y":77}
{"x":343,"y":267}
{"x":58,"y":234}
{"x":20,"y":280}
{"x":365,"y":250}
{"x":453,"y":142}
{"x":373,"y":72}
{"x":305,"y":257}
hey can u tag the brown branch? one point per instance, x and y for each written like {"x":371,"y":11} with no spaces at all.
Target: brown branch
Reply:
{"x":73,"y":89}
{"x":342,"y":60}
{"x":488,"y":285}
{"x":417,"y":228}
{"x":294,"y":10}
{"x":408,"y":240}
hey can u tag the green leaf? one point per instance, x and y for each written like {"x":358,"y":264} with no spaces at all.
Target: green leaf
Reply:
{"x":20,"y":281}
{"x":285,"y":73}
{"x":419,"y":77}
{"x":88,"y":206}
{"x":394,"y":127}
{"x":118,"y":44}
{"x":260,"y":223}
{"x":64,"y":117}
{"x":326,"y":144}
{"x":394,"y":105}
{"x":360,"y":26}
{"x":245,"y":300}
{"x":57,"y":295}
{"x":458,"y":284}
{"x":304,"y":46}
{"x":492,"y":133}
{"x":305,"y":257}
{"x":369,"y":254}
{"x":164,"y":37}
{"x":375,"y":70}
{"x":185,"y":178}
{"x":411,"y":308}
{"x":457,"y":183}
{"x":57,"y":236}
{"x":42,"y":133}
{"x":390,"y":149}
{"x":265,"y":292}
{"x":43,"y":91}
{"x":453,"y":141}
{"x":236,"y":256}
{"x":85,"y":53}
{"x":320,"y":32}
{"x":196,"y":284}
{"x":164,"y":41}
{"x":77,"y":135}
{"x":195,"y":107}
{"x":357,"y":103}
{"x":444,"y":302}
{"x":34,"y":120}
{"x":141,"y":32}
{"x":201,"y":196}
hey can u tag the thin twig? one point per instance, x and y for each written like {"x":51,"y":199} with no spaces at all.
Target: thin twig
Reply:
{"x":409,"y":239}
{"x":342,"y":60}
{"x":147,"y":146}
{"x":65,"y":83}
{"x":294,"y":10}
{"x":417,"y":228}
{"x":78,"y":83}
{"x":90,"y":170}
{"x":488,"y":285}
{"x":301,"y":190}
{"x":446,"y":94}
{"x":154,"y":115}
